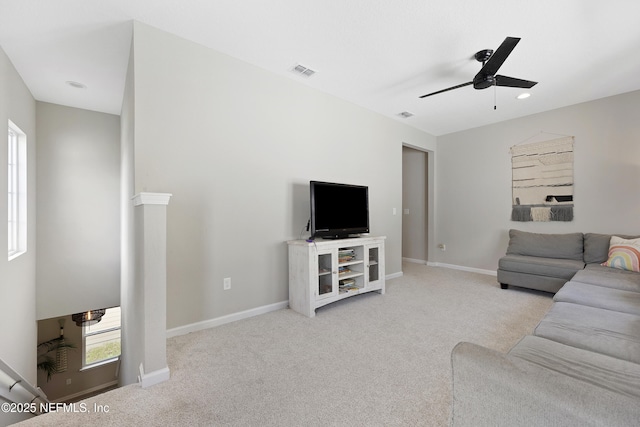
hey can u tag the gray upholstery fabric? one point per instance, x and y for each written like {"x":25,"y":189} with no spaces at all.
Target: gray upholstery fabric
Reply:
{"x":550,"y":255}
{"x":530,"y":281}
{"x":552,"y":267}
{"x":608,"y":372}
{"x":596,"y":246}
{"x":582,"y":367}
{"x":603,"y":331}
{"x":595,"y":274}
{"x":495,"y":389}
{"x":568,"y":246}
{"x":599,"y":296}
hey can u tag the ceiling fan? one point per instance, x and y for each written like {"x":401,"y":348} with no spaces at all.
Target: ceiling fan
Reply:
{"x":491,"y":62}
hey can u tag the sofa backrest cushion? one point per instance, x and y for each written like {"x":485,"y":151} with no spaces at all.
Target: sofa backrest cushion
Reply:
{"x":566,"y":246}
{"x":596,"y":246}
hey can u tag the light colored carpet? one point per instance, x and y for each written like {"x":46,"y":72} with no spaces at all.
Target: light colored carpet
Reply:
{"x":370,"y":360}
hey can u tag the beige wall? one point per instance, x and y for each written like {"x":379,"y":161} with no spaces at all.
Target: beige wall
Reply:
{"x":78,"y":221}
{"x":237,"y":146}
{"x":474,"y":178}
{"x":18,"y":276}
{"x":17,"y":292}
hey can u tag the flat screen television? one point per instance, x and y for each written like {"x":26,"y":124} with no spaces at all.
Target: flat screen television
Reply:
{"x":338,"y":210}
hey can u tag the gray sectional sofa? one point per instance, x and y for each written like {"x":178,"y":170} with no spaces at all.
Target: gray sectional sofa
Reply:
{"x":581,"y":365}
{"x":547,"y":261}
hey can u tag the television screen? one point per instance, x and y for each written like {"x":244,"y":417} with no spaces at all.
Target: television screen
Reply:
{"x":338,"y":210}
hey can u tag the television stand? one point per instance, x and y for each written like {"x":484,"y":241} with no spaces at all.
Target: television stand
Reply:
{"x":325,"y":271}
{"x":338,"y":237}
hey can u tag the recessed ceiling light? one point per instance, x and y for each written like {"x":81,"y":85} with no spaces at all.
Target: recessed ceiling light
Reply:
{"x":524,"y":95}
{"x":76,"y":84}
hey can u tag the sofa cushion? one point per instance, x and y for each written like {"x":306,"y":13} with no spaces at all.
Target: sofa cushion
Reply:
{"x":596,"y":246}
{"x":595,"y":274}
{"x":550,"y":267}
{"x":624,"y":254}
{"x":600,"y":297}
{"x":567,"y":246}
{"x":603,"y":331}
{"x":495,"y":389}
{"x":617,"y":375}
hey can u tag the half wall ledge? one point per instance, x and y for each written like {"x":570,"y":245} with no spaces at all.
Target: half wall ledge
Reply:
{"x":151,"y":199}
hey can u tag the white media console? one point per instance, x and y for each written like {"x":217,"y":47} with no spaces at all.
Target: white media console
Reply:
{"x":326,"y":271}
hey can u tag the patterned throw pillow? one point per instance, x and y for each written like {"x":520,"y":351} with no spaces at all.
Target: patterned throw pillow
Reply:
{"x":624,"y":254}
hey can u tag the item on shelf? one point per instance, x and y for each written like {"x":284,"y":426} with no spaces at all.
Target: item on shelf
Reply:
{"x":343,"y":270}
{"x":347,"y":282}
{"x":346,"y":255}
{"x":325,"y":289}
{"x":347,"y":285}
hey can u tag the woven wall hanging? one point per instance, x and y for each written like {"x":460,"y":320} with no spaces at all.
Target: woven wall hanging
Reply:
{"x":542,"y":176}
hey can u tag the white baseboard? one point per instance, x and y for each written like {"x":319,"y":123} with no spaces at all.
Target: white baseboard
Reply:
{"x":85,"y":392}
{"x":393,"y":275}
{"x":206,"y":324}
{"x":218,"y":321}
{"x":463,"y":268}
{"x":152,"y":378}
{"x":415,"y":261}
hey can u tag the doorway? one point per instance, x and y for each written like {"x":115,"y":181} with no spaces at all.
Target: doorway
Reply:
{"x":415,"y":204}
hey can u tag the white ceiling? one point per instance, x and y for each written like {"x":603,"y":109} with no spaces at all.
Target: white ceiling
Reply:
{"x":378,"y":54}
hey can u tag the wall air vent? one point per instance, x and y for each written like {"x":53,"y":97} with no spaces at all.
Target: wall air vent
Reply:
{"x":405,"y":114}
{"x":303,"y":71}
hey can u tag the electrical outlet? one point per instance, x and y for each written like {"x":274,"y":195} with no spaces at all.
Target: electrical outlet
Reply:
{"x":442,"y":247}
{"x":227,"y":283}
{"x":68,"y":381}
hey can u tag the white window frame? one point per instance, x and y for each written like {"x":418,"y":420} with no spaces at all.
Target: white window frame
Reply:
{"x":87,"y":332}
{"x":16,"y":192}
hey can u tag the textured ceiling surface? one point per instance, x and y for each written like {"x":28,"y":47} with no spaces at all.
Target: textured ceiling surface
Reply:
{"x":381,"y":55}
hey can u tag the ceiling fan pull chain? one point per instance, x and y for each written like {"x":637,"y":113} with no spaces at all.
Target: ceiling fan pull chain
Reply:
{"x":494,"y":97}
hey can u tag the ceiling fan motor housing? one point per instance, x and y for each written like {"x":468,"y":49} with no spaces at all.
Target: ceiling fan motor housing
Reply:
{"x":483,"y":55}
{"x":483,"y":81}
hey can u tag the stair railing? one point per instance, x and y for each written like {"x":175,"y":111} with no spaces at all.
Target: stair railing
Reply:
{"x":19,"y":393}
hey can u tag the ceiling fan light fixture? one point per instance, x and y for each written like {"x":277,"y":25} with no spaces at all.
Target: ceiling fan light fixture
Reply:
{"x":523,"y":95}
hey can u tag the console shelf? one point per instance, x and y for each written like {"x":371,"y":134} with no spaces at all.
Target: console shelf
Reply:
{"x":326,"y":271}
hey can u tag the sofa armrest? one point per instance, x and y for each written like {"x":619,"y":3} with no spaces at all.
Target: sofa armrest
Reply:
{"x":492,"y":388}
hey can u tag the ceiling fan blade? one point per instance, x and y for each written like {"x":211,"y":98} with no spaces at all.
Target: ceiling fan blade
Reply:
{"x":447,"y":89}
{"x":499,"y":56}
{"x":513,"y":82}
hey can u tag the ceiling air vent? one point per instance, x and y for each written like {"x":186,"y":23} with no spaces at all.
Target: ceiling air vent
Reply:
{"x":405,"y":114}
{"x":303,"y":71}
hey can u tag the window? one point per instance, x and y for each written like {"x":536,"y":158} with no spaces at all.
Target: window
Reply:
{"x":17,"y":192}
{"x":101,"y":341}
